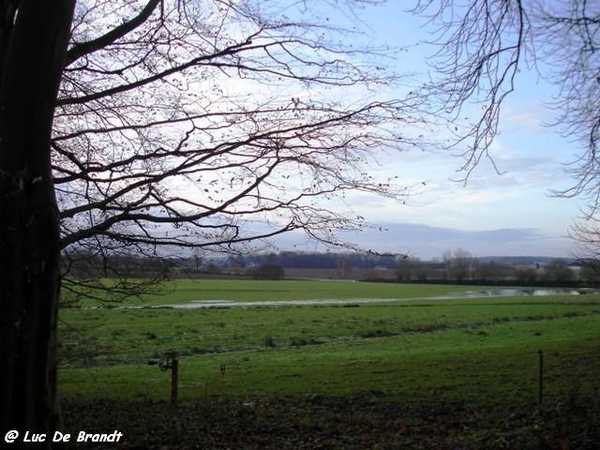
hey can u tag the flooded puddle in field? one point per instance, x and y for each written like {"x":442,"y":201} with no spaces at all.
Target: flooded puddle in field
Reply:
{"x":512,"y":292}
{"x":484,"y":293}
{"x":198,"y":304}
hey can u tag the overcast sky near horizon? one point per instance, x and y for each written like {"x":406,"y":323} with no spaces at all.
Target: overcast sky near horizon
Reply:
{"x":508,"y":214}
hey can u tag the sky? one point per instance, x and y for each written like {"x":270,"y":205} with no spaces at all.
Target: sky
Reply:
{"x":507,"y":214}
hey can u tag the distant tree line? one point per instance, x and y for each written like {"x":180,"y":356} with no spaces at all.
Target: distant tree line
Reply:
{"x":457,"y":266}
{"x":86,"y":264}
{"x":460,"y":267}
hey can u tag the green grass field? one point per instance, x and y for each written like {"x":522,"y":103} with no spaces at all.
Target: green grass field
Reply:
{"x":183,"y":291}
{"x":483,"y":351}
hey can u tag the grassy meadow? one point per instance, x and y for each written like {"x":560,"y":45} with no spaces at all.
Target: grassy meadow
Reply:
{"x":187,"y":290}
{"x":413,"y":350}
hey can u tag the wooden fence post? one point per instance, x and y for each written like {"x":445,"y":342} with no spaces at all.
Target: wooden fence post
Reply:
{"x":541,"y":378}
{"x":174,"y":378}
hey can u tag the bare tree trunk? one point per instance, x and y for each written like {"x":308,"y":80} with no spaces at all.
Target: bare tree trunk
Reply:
{"x":33,"y":42}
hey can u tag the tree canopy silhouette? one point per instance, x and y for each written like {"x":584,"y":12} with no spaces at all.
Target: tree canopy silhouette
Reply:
{"x":212,"y":124}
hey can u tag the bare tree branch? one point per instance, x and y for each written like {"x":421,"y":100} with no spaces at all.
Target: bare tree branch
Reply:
{"x":191,"y":127}
{"x":82,"y":49}
{"x":480,"y":54}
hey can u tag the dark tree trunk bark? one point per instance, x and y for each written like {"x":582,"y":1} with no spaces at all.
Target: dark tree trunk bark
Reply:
{"x":33,"y":43}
